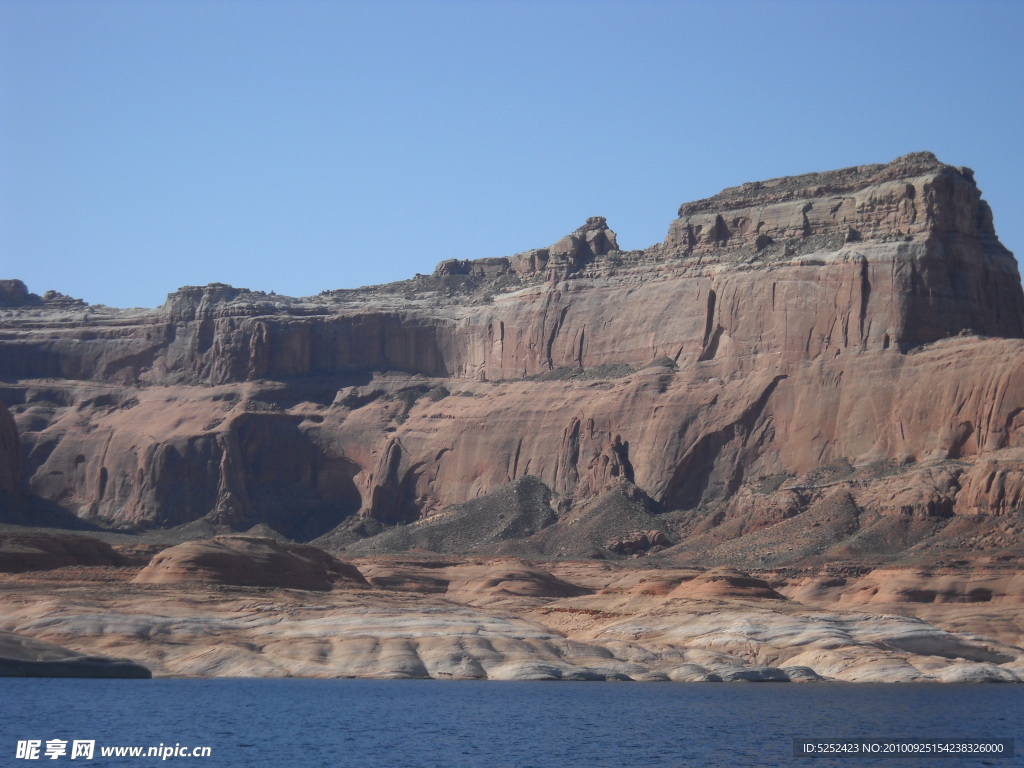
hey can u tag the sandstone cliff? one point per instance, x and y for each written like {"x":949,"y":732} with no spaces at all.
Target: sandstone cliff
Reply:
{"x":792,"y":346}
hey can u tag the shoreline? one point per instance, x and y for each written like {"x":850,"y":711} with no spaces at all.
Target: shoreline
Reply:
{"x":511,"y":619}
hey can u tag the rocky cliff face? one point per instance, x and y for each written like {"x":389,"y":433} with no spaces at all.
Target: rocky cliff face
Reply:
{"x":866,"y":318}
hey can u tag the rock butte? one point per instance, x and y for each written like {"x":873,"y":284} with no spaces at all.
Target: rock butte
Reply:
{"x":816,"y":378}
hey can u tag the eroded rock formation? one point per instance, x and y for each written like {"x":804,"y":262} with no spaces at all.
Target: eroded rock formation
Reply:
{"x":512,"y":619}
{"x":249,"y":562}
{"x":866,"y":319}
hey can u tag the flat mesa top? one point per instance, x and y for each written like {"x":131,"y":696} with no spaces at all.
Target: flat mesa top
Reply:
{"x":825,"y":183}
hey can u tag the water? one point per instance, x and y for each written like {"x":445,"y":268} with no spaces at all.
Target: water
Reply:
{"x":464,"y":724}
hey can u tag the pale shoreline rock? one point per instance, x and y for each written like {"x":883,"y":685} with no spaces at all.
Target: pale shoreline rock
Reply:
{"x":495,"y":620}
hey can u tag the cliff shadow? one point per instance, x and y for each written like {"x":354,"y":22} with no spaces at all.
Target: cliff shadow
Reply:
{"x":282,"y":478}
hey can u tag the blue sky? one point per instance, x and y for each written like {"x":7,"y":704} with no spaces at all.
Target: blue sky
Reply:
{"x":304,"y":145}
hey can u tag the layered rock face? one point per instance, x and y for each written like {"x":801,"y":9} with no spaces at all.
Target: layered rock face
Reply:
{"x":866,"y":318}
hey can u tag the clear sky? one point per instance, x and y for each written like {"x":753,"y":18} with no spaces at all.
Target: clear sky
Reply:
{"x":304,"y":145}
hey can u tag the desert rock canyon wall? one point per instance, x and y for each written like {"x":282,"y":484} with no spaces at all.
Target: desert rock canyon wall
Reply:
{"x":865,"y":322}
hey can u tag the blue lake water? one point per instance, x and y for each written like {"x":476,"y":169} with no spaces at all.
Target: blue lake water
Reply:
{"x":436,"y":724}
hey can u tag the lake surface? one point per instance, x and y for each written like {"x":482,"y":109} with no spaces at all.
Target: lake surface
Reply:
{"x":437,"y":724}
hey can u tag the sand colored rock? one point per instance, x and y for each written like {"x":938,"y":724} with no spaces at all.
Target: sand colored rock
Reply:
{"x":480,"y":584}
{"x":994,"y":486}
{"x":397,"y":575}
{"x":248,"y":561}
{"x":491,"y":584}
{"x":889,"y":586}
{"x":723,"y":583}
{"x":506,"y":619}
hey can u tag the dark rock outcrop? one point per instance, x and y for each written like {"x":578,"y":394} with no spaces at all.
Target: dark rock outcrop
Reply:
{"x":41,"y":552}
{"x":25,"y":657}
{"x":10,"y":456}
{"x":513,"y":512}
{"x":14,"y":293}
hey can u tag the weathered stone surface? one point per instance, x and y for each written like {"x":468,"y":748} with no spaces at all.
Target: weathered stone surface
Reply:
{"x":249,"y":562}
{"x":866,"y":317}
{"x":491,"y":584}
{"x":994,"y":485}
{"x":725,"y":582}
{"x":892,"y":586}
{"x":513,"y":620}
{"x":811,"y":394}
{"x":24,"y":657}
{"x":619,"y":521}
{"x":515,"y":511}
{"x":14,"y":293}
